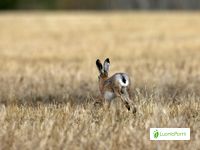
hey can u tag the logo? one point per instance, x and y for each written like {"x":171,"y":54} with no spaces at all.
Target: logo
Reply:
{"x":169,"y":133}
{"x":156,"y":134}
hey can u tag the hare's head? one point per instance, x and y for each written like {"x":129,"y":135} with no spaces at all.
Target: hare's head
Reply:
{"x":103,"y":69}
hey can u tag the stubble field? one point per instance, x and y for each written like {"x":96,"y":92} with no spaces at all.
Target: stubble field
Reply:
{"x":48,"y":79}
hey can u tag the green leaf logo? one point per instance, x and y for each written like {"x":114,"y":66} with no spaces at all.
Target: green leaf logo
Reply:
{"x":156,"y":134}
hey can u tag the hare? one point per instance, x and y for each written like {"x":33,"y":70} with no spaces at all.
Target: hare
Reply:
{"x":117,"y":85}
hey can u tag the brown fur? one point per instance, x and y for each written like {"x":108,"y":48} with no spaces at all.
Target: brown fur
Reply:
{"x":112,"y":86}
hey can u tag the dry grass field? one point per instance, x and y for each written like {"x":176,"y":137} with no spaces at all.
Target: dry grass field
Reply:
{"x":48,"y":79}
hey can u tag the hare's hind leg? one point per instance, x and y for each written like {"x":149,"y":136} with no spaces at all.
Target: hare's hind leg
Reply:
{"x":122,"y":93}
{"x":125,"y":102}
{"x":125,"y":97}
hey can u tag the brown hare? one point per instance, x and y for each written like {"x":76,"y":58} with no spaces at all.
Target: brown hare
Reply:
{"x":117,"y":85}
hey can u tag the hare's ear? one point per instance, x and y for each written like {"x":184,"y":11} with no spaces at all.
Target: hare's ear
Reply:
{"x":106,"y":65}
{"x":99,"y":66}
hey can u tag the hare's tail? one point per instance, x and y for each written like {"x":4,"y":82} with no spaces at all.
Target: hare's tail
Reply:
{"x":123,"y":79}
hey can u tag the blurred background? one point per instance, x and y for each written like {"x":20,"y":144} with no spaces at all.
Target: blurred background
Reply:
{"x":100,"y":4}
